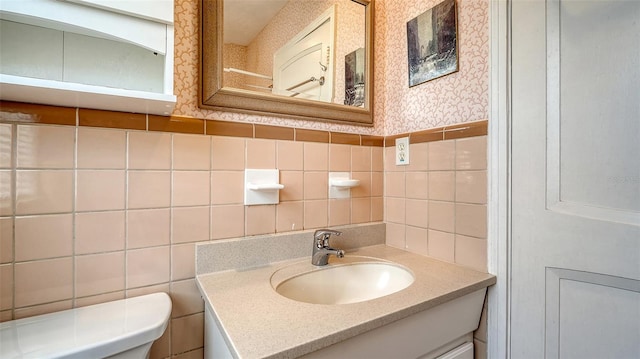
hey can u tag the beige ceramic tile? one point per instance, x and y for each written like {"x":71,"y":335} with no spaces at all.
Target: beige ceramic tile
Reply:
{"x":161,"y":347}
{"x":339,"y":212}
{"x":360,"y":158}
{"x":6,"y":286}
{"x":194,"y":354}
{"x":417,"y":240}
{"x":185,"y":298}
{"x":471,"y":153}
{"x":45,"y":146}
{"x":441,"y":216}
{"x":418,"y":157}
{"x":43,"y":281}
{"x":377,"y":184}
{"x":190,"y":224}
{"x":100,"y":298}
{"x":395,"y":210}
{"x":293,"y":186}
{"x":290,"y":155}
{"x":377,"y":158}
{"x":361,"y":210}
{"x":471,"y":252}
{"x":149,"y":189}
{"x":316,"y":156}
{"x":364,"y":188}
{"x":183,"y":259}
{"x":289,"y":216}
{"x":40,"y":192}
{"x":442,"y":155}
{"x":100,"y":190}
{"x":227,"y":221}
{"x":43,"y":309}
{"x":471,"y":220}
{"x":417,"y":213}
{"x":316,"y":185}
{"x":99,"y":232}
{"x":395,"y":236}
{"x":417,"y":185}
{"x":40,"y":237}
{"x":227,"y":187}
{"x":442,"y":245}
{"x":148,"y":227}
{"x":187,"y":333}
{"x":99,"y":273}
{"x":261,"y":219}
{"x":191,"y":152}
{"x":339,"y":158}
{"x":261,"y":154}
{"x":101,"y":148}
{"x":149,"y":150}
{"x":471,"y":187}
{"x":394,"y":185}
{"x":377,"y":209}
{"x":316,"y":214}
{"x":6,"y":240}
{"x":6,"y":315}
{"x":148,"y":266}
{"x":5,"y":145}
{"x":158,"y":288}
{"x":390,"y":160}
{"x":191,"y":188}
{"x":6,"y":193}
{"x":227,"y":153}
{"x":442,"y":185}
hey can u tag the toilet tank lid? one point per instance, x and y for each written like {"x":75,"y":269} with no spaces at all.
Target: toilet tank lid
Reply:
{"x":94,"y":331}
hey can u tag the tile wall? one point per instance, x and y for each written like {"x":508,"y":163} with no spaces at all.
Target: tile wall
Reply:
{"x":98,"y":206}
{"x":437,"y":205}
{"x":92,"y":214}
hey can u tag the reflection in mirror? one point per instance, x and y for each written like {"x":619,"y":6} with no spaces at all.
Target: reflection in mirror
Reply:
{"x":309,"y":60}
{"x":290,"y":48}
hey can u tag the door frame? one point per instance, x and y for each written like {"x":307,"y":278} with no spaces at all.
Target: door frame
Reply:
{"x":499,"y":179}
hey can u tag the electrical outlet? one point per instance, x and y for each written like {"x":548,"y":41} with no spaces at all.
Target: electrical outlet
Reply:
{"x":402,"y":151}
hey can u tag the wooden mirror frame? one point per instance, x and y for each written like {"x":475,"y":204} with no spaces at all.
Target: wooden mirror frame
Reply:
{"x":213,"y":96}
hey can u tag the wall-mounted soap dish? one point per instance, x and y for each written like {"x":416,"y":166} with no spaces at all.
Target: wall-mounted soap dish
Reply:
{"x":261,"y":187}
{"x":340,"y":184}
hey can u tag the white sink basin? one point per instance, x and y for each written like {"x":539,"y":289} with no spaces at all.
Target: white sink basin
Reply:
{"x":345,"y":283}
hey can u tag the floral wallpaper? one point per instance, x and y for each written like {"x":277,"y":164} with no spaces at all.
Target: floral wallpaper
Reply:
{"x":456,"y":98}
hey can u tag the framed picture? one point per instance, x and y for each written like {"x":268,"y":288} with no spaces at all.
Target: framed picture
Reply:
{"x":432,"y":43}
{"x":354,"y":78}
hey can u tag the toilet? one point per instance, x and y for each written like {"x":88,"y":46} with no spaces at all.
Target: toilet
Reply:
{"x":119,"y":329}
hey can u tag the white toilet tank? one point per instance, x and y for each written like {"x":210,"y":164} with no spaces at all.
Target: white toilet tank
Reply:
{"x":120,"y":329}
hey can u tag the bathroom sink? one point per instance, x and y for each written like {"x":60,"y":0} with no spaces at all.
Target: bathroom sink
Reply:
{"x":344,"y":283}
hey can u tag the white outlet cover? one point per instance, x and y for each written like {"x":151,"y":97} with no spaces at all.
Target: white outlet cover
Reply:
{"x":402,"y":151}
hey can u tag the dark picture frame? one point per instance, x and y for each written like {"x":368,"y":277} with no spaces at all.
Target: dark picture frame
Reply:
{"x":432,"y":43}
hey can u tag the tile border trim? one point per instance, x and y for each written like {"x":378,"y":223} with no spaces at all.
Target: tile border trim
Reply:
{"x":26,"y":113}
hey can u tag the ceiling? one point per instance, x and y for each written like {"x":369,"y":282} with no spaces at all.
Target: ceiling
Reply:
{"x":244,"y":19}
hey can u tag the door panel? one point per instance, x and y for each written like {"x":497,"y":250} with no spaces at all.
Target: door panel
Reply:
{"x":575,"y":241}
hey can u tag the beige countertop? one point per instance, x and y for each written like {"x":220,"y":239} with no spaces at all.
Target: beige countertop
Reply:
{"x":257,"y":322}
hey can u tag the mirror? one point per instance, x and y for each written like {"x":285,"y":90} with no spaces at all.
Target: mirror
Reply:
{"x":249,"y":75}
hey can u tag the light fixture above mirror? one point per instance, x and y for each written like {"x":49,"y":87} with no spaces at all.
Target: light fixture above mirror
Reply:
{"x":226,"y":85}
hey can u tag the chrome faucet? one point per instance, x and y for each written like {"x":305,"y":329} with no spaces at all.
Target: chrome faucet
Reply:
{"x":321,"y":248}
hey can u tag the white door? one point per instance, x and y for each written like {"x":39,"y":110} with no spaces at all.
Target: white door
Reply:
{"x":303,"y":67}
{"x":575,"y":240}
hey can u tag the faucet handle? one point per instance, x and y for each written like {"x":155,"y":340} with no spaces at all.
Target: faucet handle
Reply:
{"x":321,"y":236}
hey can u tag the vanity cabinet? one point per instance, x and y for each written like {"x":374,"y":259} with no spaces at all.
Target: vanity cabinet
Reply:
{"x":112,"y":55}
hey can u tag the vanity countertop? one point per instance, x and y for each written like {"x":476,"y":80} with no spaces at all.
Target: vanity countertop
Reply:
{"x":257,"y":322}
